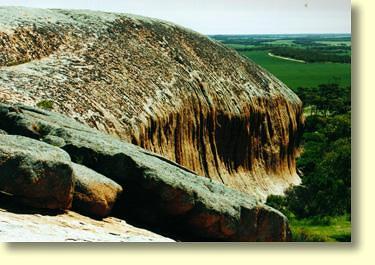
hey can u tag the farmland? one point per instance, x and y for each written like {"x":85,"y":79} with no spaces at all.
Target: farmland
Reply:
{"x":298,"y":74}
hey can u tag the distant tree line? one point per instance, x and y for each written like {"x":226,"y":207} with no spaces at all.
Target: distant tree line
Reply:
{"x":324,"y":47}
{"x":310,"y":55}
{"x":246,"y":41}
{"x":312,"y":39}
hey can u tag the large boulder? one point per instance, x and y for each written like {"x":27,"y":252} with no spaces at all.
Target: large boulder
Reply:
{"x":35,"y":173}
{"x":94,"y":194}
{"x":159,"y":193}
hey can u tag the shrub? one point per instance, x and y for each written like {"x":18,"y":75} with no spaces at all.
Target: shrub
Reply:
{"x":45,"y":104}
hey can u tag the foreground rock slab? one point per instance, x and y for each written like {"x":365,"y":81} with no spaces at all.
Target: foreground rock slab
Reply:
{"x":160,"y":194}
{"x":36,"y":173}
{"x":69,"y":227}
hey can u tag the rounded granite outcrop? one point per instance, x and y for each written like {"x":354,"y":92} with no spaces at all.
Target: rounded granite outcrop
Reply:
{"x":165,"y":88}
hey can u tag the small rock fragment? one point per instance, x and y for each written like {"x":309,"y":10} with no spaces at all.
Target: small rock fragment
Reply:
{"x":94,"y":194}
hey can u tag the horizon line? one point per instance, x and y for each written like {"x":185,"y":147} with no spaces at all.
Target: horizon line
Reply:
{"x":303,"y":33}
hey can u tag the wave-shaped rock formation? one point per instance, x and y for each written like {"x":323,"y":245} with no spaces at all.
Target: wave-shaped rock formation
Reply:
{"x":157,"y":85}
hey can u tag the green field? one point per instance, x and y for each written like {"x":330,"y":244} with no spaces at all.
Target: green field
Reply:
{"x":326,"y":229}
{"x":335,"y":43}
{"x":295,"y":74}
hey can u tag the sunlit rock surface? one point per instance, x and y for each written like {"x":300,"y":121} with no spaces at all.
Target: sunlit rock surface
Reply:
{"x":22,"y":225}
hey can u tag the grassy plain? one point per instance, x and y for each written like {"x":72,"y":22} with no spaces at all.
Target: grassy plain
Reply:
{"x":326,"y":229}
{"x":296,"y":74}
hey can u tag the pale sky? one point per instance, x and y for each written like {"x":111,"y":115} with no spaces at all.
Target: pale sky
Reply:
{"x":225,"y":16}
